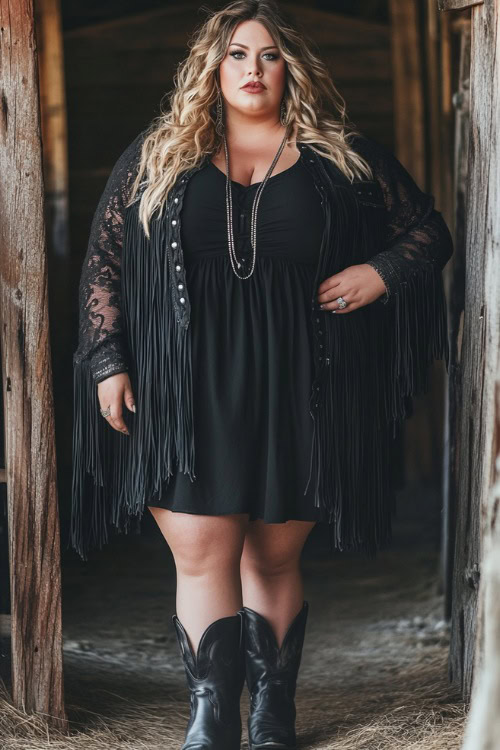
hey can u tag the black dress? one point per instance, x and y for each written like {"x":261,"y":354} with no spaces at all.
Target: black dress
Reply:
{"x":250,"y":343}
{"x":251,"y":347}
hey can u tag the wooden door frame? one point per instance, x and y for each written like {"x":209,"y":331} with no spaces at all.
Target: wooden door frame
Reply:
{"x":34,"y":543}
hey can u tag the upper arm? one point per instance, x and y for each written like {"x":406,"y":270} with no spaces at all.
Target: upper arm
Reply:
{"x":100,"y":279}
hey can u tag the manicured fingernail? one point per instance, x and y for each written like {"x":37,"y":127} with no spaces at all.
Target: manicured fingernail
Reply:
{"x":321,"y":306}
{"x":333,"y":311}
{"x":133,"y":408}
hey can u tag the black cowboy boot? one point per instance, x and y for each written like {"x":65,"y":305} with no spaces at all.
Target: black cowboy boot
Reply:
{"x":215,"y":679}
{"x":271,"y":674}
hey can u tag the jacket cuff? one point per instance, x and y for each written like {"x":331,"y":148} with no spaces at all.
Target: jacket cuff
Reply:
{"x":388,"y":274}
{"x":108,"y":360}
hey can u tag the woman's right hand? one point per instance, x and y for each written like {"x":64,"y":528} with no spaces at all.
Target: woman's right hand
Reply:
{"x":112,"y":392}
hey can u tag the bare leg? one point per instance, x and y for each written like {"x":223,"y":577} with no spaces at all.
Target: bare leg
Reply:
{"x":271,"y":579}
{"x":207,"y":552}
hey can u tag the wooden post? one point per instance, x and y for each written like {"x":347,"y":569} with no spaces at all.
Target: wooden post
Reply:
{"x":477,"y":430}
{"x":34,"y":546}
{"x":456,"y":304}
{"x":483,"y":725}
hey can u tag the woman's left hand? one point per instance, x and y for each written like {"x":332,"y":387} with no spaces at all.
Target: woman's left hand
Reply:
{"x":358,"y":285}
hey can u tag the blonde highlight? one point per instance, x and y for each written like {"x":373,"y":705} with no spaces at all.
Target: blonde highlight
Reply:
{"x":179,"y":138}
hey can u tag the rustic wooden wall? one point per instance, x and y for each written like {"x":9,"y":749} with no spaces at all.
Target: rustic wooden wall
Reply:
{"x":477,"y":439}
{"x":82,"y":13}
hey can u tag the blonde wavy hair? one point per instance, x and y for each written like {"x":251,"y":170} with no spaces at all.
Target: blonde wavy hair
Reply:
{"x":185,"y":134}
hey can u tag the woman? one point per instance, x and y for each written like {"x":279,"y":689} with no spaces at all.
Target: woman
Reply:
{"x":261,"y":298}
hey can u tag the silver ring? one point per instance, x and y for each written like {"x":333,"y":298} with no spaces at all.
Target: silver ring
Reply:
{"x":342,"y":302}
{"x":106,"y":412}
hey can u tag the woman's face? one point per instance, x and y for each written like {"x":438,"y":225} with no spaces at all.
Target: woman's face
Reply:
{"x":252,"y":56}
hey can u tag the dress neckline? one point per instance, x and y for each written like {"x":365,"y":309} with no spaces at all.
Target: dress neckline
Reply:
{"x":254,"y":184}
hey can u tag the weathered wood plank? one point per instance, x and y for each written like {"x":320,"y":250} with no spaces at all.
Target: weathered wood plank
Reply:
{"x":480,"y":344}
{"x":457,"y":4}
{"x":456,"y":303}
{"x":34,"y":546}
{"x":408,"y":88}
{"x":483,"y":725}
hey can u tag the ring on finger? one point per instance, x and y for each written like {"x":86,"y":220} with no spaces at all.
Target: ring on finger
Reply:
{"x":342,"y":303}
{"x":106,"y":412}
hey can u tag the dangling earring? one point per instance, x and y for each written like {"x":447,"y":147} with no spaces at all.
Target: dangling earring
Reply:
{"x":283,"y":112}
{"x":219,"y":123}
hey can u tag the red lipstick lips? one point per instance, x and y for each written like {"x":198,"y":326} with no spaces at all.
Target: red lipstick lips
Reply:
{"x":253,"y":86}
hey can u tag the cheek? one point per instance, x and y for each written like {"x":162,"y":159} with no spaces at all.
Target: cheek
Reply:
{"x":276,"y":75}
{"x":228,"y":71}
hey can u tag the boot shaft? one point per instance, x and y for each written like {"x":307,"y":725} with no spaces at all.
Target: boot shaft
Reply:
{"x":219,"y":661}
{"x":271,"y":674}
{"x":215,"y":676}
{"x":264,"y":660}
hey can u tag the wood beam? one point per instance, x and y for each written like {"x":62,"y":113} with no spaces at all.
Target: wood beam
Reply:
{"x":456,"y":304}
{"x":457,"y":4}
{"x":34,"y":545}
{"x":478,"y":427}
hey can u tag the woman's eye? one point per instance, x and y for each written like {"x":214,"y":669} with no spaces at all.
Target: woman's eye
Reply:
{"x":266,"y":54}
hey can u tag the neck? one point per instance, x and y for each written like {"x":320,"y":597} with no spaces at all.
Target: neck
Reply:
{"x":252,"y":131}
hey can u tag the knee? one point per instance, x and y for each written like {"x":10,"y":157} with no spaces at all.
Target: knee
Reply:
{"x":267,"y":563}
{"x":202,"y":548}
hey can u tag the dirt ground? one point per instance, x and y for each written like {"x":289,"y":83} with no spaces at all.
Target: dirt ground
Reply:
{"x":374,"y":666}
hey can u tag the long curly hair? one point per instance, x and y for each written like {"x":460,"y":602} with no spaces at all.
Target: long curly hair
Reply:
{"x":178,"y":139}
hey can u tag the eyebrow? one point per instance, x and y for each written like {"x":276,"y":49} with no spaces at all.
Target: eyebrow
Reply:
{"x":273,"y":46}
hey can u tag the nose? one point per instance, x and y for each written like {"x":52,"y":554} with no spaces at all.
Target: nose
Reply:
{"x":254,"y":68}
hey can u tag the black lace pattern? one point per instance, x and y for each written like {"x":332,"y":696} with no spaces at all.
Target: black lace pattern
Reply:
{"x":101,"y":337}
{"x":418,"y":240}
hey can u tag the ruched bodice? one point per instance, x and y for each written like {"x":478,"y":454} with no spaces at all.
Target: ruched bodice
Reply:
{"x":289,"y":216}
{"x":251,"y":347}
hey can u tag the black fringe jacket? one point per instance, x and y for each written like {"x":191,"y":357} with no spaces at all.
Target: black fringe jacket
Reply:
{"x":134,"y":316}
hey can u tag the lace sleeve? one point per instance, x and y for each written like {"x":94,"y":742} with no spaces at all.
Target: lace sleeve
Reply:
{"x":418,"y":242}
{"x":100,"y":341}
{"x":417,"y":246}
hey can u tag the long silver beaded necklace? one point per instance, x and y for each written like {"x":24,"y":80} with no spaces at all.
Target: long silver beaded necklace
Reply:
{"x":253,"y":221}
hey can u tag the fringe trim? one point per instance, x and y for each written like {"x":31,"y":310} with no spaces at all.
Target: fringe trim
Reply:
{"x":377,"y":358}
{"x":91,"y":444}
{"x":114,"y":475}
{"x":374,"y":361}
{"x":416,"y":335}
